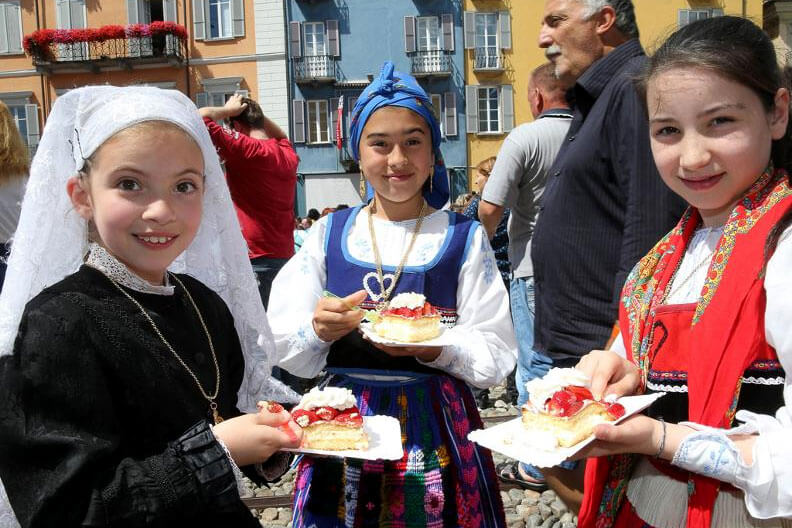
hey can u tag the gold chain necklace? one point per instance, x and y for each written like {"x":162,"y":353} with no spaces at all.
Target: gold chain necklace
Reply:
{"x":385,"y":294}
{"x":211,"y":399}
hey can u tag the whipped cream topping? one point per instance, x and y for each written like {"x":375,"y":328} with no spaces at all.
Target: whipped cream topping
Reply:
{"x":541,"y":389}
{"x":409,"y":300}
{"x":335,"y":397}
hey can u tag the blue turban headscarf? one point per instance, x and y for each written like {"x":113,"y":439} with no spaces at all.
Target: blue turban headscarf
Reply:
{"x":393,"y":88}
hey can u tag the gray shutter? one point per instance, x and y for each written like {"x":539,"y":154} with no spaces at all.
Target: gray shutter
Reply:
{"x":448,"y":31}
{"x":5,"y":36}
{"x":683,"y":17}
{"x":717,"y":12}
{"x":238,"y":13}
{"x":469,"y":25}
{"x":201,"y":99}
{"x":507,"y":103}
{"x":77,"y":11}
{"x":63,"y":14}
{"x":295,"y":40}
{"x":333,"y":45}
{"x":133,"y":9}
{"x":409,"y":34}
{"x":504,"y":30}
{"x":199,"y":26}
{"x":298,"y":120}
{"x":31,"y":115}
{"x":450,"y":114}
{"x":471,"y":109}
{"x":169,"y":13}
{"x":334,"y":118}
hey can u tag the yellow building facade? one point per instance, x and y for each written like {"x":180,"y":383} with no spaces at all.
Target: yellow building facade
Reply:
{"x":230,"y":46}
{"x":501,"y":49}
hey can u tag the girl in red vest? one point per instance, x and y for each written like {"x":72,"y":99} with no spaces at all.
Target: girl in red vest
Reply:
{"x":705,"y":315}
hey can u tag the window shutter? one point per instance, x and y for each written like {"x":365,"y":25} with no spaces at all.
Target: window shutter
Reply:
{"x":14,"y":25}
{"x":449,"y":114}
{"x":298,"y":119}
{"x":507,"y":104}
{"x":469,"y":25}
{"x":504,"y":30}
{"x":133,"y":10}
{"x":684,"y":17}
{"x":471,"y":109}
{"x":295,"y":36}
{"x":717,"y":12}
{"x":199,"y":25}
{"x":238,"y":12}
{"x":333,"y":109}
{"x":77,"y":14}
{"x":201,"y":99}
{"x":31,"y":115}
{"x":409,"y":34}
{"x":334,"y":47}
{"x":5,"y":36}
{"x":63,"y":14}
{"x":169,"y":11}
{"x":448,"y":31}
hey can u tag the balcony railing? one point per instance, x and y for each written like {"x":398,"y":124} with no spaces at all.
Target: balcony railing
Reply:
{"x":159,"y":42}
{"x":433,"y":62}
{"x":321,"y":68}
{"x":486,"y":60}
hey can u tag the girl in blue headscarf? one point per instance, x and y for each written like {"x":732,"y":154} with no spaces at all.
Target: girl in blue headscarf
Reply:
{"x":398,"y":242}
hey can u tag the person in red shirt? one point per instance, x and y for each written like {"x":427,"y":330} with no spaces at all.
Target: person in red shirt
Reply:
{"x":261,"y":170}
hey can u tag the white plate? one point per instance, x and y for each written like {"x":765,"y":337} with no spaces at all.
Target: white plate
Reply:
{"x":373,"y":336}
{"x":515,"y":441}
{"x":384,"y":435}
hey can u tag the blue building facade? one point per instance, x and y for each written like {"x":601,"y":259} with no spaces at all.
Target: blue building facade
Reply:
{"x":335,"y":47}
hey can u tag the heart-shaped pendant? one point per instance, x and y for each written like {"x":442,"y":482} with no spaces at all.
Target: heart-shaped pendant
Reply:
{"x":387,"y":283}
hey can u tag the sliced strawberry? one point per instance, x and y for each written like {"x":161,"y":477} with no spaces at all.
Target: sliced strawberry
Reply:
{"x":326,"y":413}
{"x":616,"y":410}
{"x":427,"y":309}
{"x":563,"y":403}
{"x":580,"y":393}
{"x":304,"y":418}
{"x":350,"y":417}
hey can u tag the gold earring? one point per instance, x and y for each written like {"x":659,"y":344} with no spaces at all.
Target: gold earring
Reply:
{"x":431,"y":182}
{"x":362,"y":186}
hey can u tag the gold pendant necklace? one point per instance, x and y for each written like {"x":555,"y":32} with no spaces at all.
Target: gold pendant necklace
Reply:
{"x":385,"y":293}
{"x":211,"y":399}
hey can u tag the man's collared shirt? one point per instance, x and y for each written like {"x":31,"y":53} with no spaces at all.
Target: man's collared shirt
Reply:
{"x":603,"y":208}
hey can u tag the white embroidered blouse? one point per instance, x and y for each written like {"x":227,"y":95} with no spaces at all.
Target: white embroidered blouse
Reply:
{"x":483,"y":350}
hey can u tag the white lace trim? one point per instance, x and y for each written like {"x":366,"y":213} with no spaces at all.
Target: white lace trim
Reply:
{"x":764,"y":381}
{"x":651,"y":492}
{"x":99,"y":258}
{"x":666,"y":388}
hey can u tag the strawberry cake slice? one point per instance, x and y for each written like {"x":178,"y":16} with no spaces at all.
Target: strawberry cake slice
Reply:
{"x":330,"y":420}
{"x":562,"y":406}
{"x":408,"y":318}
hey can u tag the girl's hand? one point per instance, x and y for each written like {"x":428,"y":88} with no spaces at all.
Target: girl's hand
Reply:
{"x":426,"y":354}
{"x":637,"y":434}
{"x":609,"y":373}
{"x":334,"y":318}
{"x":253,"y":438}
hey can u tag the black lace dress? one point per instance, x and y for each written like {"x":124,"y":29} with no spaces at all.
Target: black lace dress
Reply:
{"x":99,"y":423}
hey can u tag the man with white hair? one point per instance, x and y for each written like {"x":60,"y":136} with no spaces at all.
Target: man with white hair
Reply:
{"x":604,"y":204}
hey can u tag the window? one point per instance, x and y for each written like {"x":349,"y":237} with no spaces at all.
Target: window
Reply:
{"x":218,"y":19}
{"x":490,"y":109}
{"x":218,"y":91}
{"x":444,"y":108}
{"x":487,"y":34}
{"x":428,"y":34}
{"x":318,"y":121}
{"x":315,"y":43}
{"x":686,"y":16}
{"x":10,"y":27}
{"x":25,"y":116}
{"x":488,"y":114}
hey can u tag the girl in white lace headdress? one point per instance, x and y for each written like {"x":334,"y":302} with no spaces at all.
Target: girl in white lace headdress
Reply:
{"x":120,"y":359}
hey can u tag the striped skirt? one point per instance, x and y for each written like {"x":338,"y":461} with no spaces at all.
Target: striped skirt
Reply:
{"x":442,"y":480}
